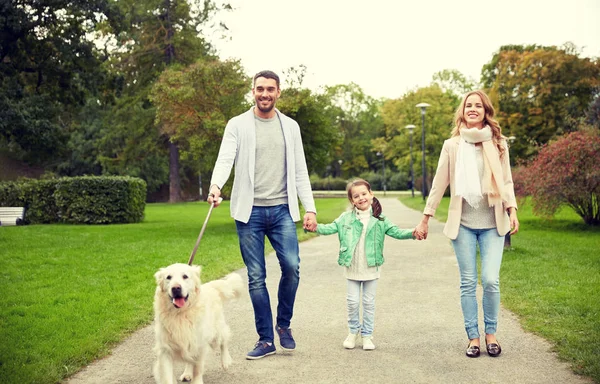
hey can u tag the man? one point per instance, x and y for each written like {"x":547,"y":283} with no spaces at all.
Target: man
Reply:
{"x":265,"y":146}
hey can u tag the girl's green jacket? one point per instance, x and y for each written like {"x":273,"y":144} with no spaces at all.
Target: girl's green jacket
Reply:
{"x":349,"y":228}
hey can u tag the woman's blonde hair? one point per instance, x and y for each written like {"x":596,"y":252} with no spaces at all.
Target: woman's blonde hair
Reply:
{"x":460,"y":121}
{"x":376,"y":206}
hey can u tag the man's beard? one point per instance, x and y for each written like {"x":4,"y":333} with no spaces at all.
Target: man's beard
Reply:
{"x":267,"y":109}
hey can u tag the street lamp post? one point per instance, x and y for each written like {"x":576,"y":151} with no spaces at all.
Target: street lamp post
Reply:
{"x":383,"y":167}
{"x":423,"y":106}
{"x":410,"y":128}
{"x":340,"y":161}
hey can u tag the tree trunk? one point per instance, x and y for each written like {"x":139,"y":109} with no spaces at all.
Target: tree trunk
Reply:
{"x":174,"y":182}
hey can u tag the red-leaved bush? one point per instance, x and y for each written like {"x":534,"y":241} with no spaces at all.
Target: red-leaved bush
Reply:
{"x":565,"y":172}
{"x":519,"y":175}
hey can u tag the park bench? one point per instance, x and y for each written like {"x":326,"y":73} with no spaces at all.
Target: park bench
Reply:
{"x":11,"y":216}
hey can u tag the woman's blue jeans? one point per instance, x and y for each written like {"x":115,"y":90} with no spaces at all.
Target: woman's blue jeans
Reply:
{"x":278,"y":226}
{"x":491,"y":246}
{"x":353,"y":299}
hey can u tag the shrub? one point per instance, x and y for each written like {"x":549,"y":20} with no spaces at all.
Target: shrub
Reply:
{"x":398,"y":181}
{"x":328,"y":183}
{"x":11,"y":194}
{"x":33,"y":194}
{"x":41,"y":206}
{"x":374,"y":178}
{"x":82,"y":200}
{"x":565,"y":172}
{"x":395,"y":181}
{"x":101,"y":200}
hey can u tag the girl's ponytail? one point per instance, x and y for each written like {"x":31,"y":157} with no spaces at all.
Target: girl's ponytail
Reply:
{"x":376,"y":208}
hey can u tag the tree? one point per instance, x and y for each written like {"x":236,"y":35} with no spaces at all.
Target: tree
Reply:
{"x":193,"y":105}
{"x":359,"y":121}
{"x":130,"y":144}
{"x":48,"y":67}
{"x":566,"y":172}
{"x":540,"y":92}
{"x":161,"y":33}
{"x":593,"y":114}
{"x":316,"y":117}
{"x":453,"y":81}
{"x":399,"y":113}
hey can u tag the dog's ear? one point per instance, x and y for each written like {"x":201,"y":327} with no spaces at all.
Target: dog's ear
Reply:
{"x":196,"y":269}
{"x":160,"y":277}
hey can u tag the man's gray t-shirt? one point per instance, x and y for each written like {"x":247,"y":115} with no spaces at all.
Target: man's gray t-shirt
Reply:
{"x":270,"y":176}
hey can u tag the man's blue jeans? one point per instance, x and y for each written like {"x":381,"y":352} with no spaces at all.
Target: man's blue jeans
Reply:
{"x":491,"y":246}
{"x":277,"y":225}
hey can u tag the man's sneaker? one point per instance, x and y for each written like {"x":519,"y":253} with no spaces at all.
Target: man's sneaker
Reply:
{"x":350,"y":341}
{"x":261,"y":349}
{"x":368,"y":343}
{"x":285,"y":338}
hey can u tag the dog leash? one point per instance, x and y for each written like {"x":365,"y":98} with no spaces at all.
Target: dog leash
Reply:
{"x":202,"y":231}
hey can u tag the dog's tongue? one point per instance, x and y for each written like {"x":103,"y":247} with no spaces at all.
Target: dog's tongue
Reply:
{"x":179,"y":301}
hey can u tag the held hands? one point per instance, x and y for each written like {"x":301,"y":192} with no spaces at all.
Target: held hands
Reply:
{"x":421,"y":230}
{"x":418,"y":235}
{"x":310,"y":222}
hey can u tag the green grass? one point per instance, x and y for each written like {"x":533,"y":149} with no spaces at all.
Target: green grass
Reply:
{"x":550,"y":278}
{"x":69,"y":293}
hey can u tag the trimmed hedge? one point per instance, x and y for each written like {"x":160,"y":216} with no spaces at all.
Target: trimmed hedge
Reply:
{"x":396,"y":181}
{"x":79,"y":200}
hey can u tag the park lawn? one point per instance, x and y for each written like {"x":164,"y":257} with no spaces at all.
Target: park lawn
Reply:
{"x":550,"y":279}
{"x":69,"y":293}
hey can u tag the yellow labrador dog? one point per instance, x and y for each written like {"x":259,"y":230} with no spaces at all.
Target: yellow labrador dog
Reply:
{"x":189,"y":320}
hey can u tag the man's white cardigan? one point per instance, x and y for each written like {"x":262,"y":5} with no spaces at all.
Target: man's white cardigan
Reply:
{"x":239,"y":146}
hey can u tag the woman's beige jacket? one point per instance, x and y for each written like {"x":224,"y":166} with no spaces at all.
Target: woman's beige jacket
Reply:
{"x":444,"y":176}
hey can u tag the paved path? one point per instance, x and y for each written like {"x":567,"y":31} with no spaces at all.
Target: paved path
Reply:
{"x":418,"y":327}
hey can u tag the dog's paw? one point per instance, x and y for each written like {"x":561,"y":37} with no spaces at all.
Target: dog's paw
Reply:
{"x":226,"y":360}
{"x":186,"y":377}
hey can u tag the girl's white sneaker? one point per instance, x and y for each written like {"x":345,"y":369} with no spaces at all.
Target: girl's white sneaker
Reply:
{"x":350,"y":341}
{"x":367,"y":343}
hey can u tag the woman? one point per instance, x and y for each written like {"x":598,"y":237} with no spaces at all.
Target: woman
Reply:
{"x":483,"y":209}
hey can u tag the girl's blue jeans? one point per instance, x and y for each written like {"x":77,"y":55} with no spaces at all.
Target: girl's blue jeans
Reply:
{"x":353,"y":298}
{"x":491,"y":246}
{"x":278,"y":226}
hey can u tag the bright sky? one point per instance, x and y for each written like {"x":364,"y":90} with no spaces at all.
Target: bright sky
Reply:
{"x":389,"y":47}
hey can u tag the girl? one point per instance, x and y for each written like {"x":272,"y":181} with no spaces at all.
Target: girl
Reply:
{"x":361,"y":232}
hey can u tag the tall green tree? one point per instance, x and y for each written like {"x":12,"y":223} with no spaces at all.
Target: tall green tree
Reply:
{"x":540,"y":92}
{"x":193,"y":106}
{"x":399,"y":113}
{"x":161,"y":33}
{"x":359,"y":121}
{"x":48,"y":67}
{"x":454,"y":81}
{"x":593,"y":114}
{"x":315,"y":115}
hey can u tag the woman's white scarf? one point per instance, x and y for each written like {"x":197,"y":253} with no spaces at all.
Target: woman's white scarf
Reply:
{"x":467,"y":183}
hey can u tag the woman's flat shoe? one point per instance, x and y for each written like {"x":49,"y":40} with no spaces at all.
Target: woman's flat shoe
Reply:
{"x":472,"y":351}
{"x":493,"y":349}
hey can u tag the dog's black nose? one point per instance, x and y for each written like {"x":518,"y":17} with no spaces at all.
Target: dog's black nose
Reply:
{"x":176,"y":291}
